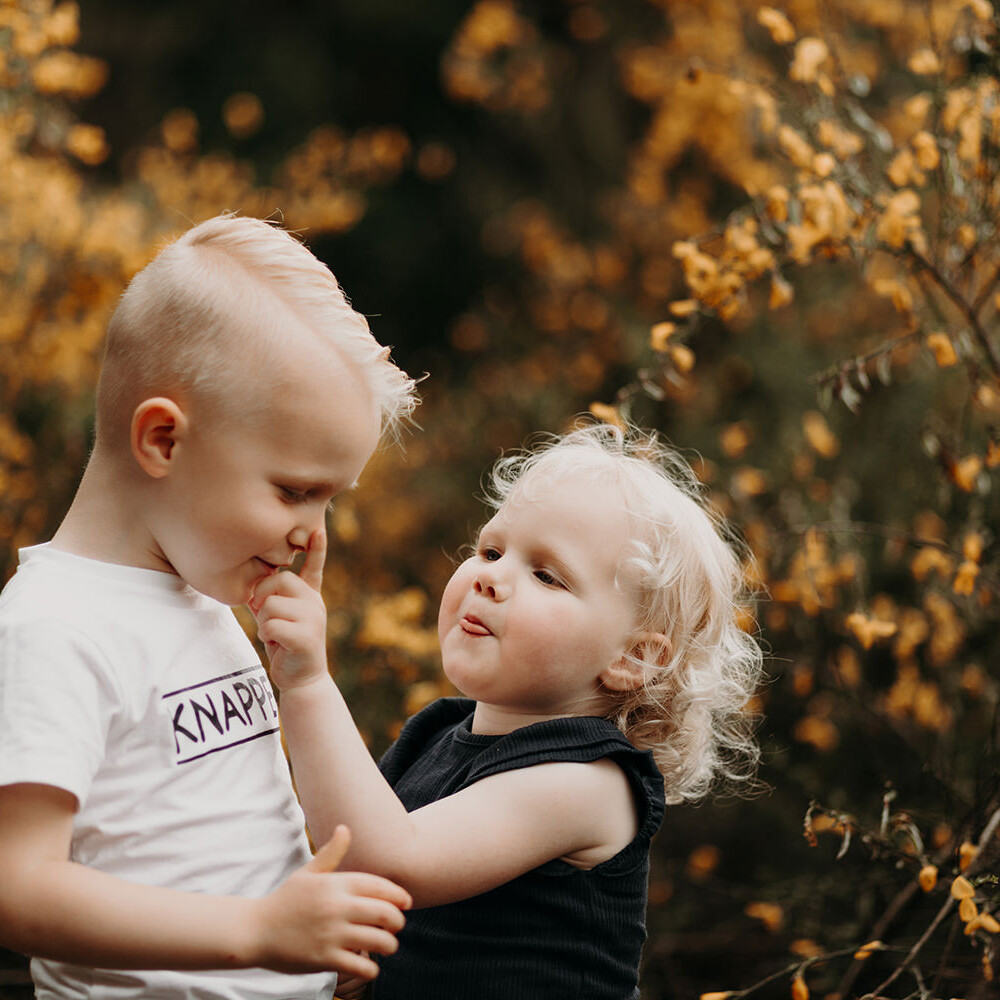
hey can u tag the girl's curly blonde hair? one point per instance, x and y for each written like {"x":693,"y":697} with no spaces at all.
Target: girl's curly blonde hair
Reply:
{"x":685,"y":564}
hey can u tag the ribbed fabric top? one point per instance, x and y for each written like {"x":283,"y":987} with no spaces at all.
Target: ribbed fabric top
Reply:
{"x":556,"y":932}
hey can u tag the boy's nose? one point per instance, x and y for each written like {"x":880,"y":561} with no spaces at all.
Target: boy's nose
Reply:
{"x":298,"y":537}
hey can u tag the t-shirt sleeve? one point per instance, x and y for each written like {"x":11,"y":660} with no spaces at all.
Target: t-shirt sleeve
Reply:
{"x":57,"y":699}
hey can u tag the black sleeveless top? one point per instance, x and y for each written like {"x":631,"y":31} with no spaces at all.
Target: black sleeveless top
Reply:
{"x":554,"y":933}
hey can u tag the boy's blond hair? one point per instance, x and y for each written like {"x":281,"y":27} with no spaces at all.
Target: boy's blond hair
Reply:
{"x":213,"y":312}
{"x":691,"y":709}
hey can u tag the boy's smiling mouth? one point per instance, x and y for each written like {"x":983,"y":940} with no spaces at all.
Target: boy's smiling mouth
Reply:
{"x":270,"y":566}
{"x":471,"y":625}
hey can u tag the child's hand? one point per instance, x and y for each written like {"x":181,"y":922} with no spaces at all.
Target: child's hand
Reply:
{"x":320,"y":919}
{"x":291,"y":619}
{"x":350,"y":988}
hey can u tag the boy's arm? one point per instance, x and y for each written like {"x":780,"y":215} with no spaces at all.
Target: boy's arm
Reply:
{"x":462,"y":845}
{"x":53,"y":908}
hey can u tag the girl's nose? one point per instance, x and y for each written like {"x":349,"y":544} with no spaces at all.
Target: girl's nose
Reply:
{"x":490,"y":587}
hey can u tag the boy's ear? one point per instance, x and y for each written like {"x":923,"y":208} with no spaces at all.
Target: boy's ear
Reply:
{"x":158,"y":426}
{"x":628,"y":671}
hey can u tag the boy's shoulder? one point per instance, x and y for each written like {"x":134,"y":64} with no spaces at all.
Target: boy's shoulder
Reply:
{"x":56,"y":596}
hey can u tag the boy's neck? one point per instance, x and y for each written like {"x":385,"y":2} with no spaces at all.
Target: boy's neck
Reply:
{"x":103,"y":521}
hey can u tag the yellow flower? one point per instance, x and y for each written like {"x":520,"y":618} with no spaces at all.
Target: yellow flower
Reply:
{"x":683,"y":307}
{"x":902,"y":170}
{"x":961,"y":888}
{"x":819,"y":733}
{"x":780,"y":28}
{"x":928,"y":877}
{"x":799,"y":989}
{"x":607,"y":414}
{"x":179,"y":130}
{"x":869,"y":630}
{"x":777,"y":202}
{"x":771,"y":915}
{"x":781,"y":293}
{"x":930,"y":559}
{"x":965,"y":580}
{"x":926,"y":151}
{"x":795,"y":147}
{"x":823,"y":164}
{"x":683,"y":358}
{"x":88,"y":144}
{"x":940,"y":345}
{"x":966,"y":471}
{"x":866,"y":949}
{"x":243,"y":114}
{"x":982,"y":9}
{"x":972,"y":546}
{"x":735,"y":438}
{"x":660,"y":334}
{"x":749,"y":481}
{"x":702,"y":861}
{"x":810,"y":54}
{"x":924,"y":62}
{"x":966,"y":855}
{"x":817,"y":431}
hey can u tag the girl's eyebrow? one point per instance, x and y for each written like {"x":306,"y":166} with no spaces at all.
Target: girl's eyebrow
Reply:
{"x":544,"y":553}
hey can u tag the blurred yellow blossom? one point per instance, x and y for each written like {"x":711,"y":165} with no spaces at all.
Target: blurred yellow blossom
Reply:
{"x":799,"y":990}
{"x":660,"y":334}
{"x":940,"y":345}
{"x":243,"y":114}
{"x":965,"y":472}
{"x":928,"y":877}
{"x":777,"y":24}
{"x":817,"y":431}
{"x":87,"y":143}
{"x":810,"y":54}
{"x":771,"y":915}
{"x":869,"y":630}
{"x":65,"y":72}
{"x":682,"y":357}
{"x":924,"y":61}
{"x":702,"y":861}
{"x":965,"y":578}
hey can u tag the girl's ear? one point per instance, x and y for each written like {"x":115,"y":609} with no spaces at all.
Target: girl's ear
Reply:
{"x":158,"y":426}
{"x":628,"y":671}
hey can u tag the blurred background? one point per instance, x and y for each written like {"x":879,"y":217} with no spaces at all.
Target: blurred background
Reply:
{"x":769,"y":234}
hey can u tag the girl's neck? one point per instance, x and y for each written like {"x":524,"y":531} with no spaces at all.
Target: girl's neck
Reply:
{"x":498,"y":720}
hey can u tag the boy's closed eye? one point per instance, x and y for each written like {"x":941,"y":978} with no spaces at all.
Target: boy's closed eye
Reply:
{"x":292,"y":495}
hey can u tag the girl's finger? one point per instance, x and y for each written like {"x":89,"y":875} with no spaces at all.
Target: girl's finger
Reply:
{"x":312,"y":568}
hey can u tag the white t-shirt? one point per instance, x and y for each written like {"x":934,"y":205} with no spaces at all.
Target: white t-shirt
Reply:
{"x":145,"y":700}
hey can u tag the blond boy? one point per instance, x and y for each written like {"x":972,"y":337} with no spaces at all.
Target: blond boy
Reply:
{"x":148,"y":819}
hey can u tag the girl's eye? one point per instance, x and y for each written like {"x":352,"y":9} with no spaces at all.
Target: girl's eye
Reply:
{"x":544,"y":576}
{"x":291,"y":496}
{"x":490,"y":555}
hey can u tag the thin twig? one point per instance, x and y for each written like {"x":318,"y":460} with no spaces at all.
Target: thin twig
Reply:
{"x":964,"y":306}
{"x":893,"y":535}
{"x":984,"y":293}
{"x":849,"y":366}
{"x":985,"y":838}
